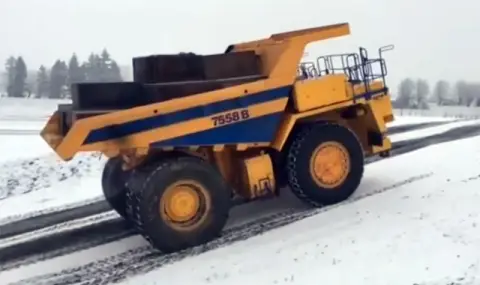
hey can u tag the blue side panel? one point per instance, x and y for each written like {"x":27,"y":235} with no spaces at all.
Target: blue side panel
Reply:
{"x":162,"y":120}
{"x":261,"y":129}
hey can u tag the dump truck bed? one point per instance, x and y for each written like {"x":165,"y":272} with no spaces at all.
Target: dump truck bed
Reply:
{"x":159,"y":78}
{"x":93,"y":99}
{"x":202,"y":119}
{"x":237,"y":98}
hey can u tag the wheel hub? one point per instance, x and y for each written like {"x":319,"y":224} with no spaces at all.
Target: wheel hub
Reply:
{"x":330,"y":165}
{"x":181,"y":203}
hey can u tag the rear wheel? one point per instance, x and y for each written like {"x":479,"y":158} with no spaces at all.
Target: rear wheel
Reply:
{"x":114,"y":184}
{"x":182,"y":202}
{"x":325,"y":164}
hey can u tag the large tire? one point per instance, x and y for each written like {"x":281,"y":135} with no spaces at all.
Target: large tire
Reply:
{"x":306,"y":164}
{"x":154,"y":215}
{"x":114,"y":185}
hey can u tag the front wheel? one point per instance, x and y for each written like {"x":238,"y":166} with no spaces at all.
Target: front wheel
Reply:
{"x":325,"y":164}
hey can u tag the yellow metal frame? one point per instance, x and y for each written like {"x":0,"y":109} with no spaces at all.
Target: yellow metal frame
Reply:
{"x":332,"y":93}
{"x":282,"y":52}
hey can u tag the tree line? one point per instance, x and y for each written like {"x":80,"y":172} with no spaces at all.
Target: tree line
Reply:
{"x":417,"y":94}
{"x":54,"y":82}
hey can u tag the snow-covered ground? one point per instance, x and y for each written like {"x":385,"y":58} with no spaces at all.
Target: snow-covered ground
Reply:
{"x":73,"y":191}
{"x":432,"y":130}
{"x":40,"y":183}
{"x":27,"y":109}
{"x":408,"y":223}
{"x":21,"y":147}
{"x":21,"y":125}
{"x":425,"y":232}
{"x":404,"y":120}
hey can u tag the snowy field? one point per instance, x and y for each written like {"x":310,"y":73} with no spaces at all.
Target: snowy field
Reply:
{"x":412,"y":221}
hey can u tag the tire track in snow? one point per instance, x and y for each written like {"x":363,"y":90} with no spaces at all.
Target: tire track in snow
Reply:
{"x":47,"y":232}
{"x":94,"y":234}
{"x":10,"y":220}
{"x":145,"y":259}
{"x":34,"y":223}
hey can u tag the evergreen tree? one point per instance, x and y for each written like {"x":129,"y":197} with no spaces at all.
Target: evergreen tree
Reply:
{"x":92,"y":68}
{"x":111,"y":71}
{"x":58,"y":79}
{"x":102,"y":68}
{"x":43,"y":84}
{"x":31,"y":83}
{"x":18,"y":86}
{"x":115,"y":73}
{"x":105,"y":62}
{"x":10,"y":68}
{"x":75,"y":72}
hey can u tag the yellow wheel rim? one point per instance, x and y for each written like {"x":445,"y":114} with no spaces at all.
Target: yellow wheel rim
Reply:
{"x":330,"y":165}
{"x":184,"y":204}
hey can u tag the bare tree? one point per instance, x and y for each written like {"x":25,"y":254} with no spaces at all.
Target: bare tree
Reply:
{"x":441,"y":92}
{"x":405,"y":93}
{"x":423,"y":89}
{"x":462,"y":92}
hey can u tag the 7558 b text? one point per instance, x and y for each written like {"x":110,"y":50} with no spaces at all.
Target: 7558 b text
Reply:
{"x":230,"y":117}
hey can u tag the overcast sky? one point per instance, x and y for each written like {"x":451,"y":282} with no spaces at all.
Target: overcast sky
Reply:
{"x":433,"y":38}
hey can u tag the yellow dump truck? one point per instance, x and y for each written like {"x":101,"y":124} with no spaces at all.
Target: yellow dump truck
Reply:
{"x":194,"y":135}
